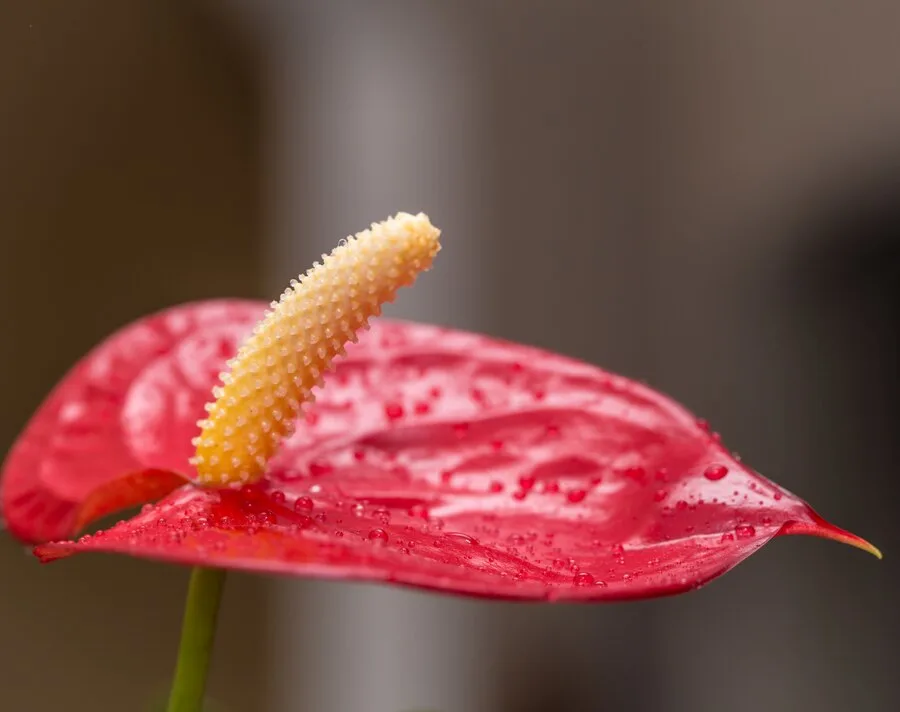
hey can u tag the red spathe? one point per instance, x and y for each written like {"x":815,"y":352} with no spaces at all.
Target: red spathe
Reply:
{"x":432,"y":457}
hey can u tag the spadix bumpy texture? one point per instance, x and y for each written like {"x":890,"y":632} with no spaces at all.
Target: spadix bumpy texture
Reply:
{"x":276,"y":369}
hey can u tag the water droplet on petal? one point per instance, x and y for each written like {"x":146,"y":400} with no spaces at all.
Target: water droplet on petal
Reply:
{"x":576,"y":495}
{"x":303,"y":504}
{"x":715,"y":472}
{"x":744,"y":531}
{"x":393,"y":411}
{"x":277,"y":497}
{"x":378,"y":535}
{"x":583,"y":578}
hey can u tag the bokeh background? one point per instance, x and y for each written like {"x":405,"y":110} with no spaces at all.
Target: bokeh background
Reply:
{"x":704,"y":195}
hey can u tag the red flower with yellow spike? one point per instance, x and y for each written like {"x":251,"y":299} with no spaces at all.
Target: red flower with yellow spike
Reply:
{"x":430,"y":457}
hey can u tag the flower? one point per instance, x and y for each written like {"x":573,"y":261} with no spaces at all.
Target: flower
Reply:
{"x":432,"y":457}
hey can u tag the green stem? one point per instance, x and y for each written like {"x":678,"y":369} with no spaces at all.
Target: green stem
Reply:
{"x":198,"y":629}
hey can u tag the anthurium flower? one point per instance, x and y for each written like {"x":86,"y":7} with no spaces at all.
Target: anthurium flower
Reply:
{"x":431,"y":457}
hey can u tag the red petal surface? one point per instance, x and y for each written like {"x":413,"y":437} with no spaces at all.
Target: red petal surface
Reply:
{"x":120,"y":418}
{"x":438,"y":459}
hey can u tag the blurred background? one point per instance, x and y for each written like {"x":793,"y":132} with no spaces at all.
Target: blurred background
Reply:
{"x":703,"y":195}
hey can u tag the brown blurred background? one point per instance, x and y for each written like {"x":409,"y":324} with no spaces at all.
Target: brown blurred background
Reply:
{"x":704,"y":195}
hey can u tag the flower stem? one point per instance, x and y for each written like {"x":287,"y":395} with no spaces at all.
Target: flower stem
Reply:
{"x":198,"y":629}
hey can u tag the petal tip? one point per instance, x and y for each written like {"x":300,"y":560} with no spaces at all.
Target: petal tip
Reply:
{"x":860,"y":543}
{"x":824,"y":529}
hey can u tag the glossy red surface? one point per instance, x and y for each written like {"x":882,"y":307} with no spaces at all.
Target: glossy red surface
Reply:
{"x":433,"y":458}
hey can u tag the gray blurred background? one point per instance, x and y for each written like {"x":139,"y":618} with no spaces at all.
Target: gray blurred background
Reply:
{"x":703,"y":195}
